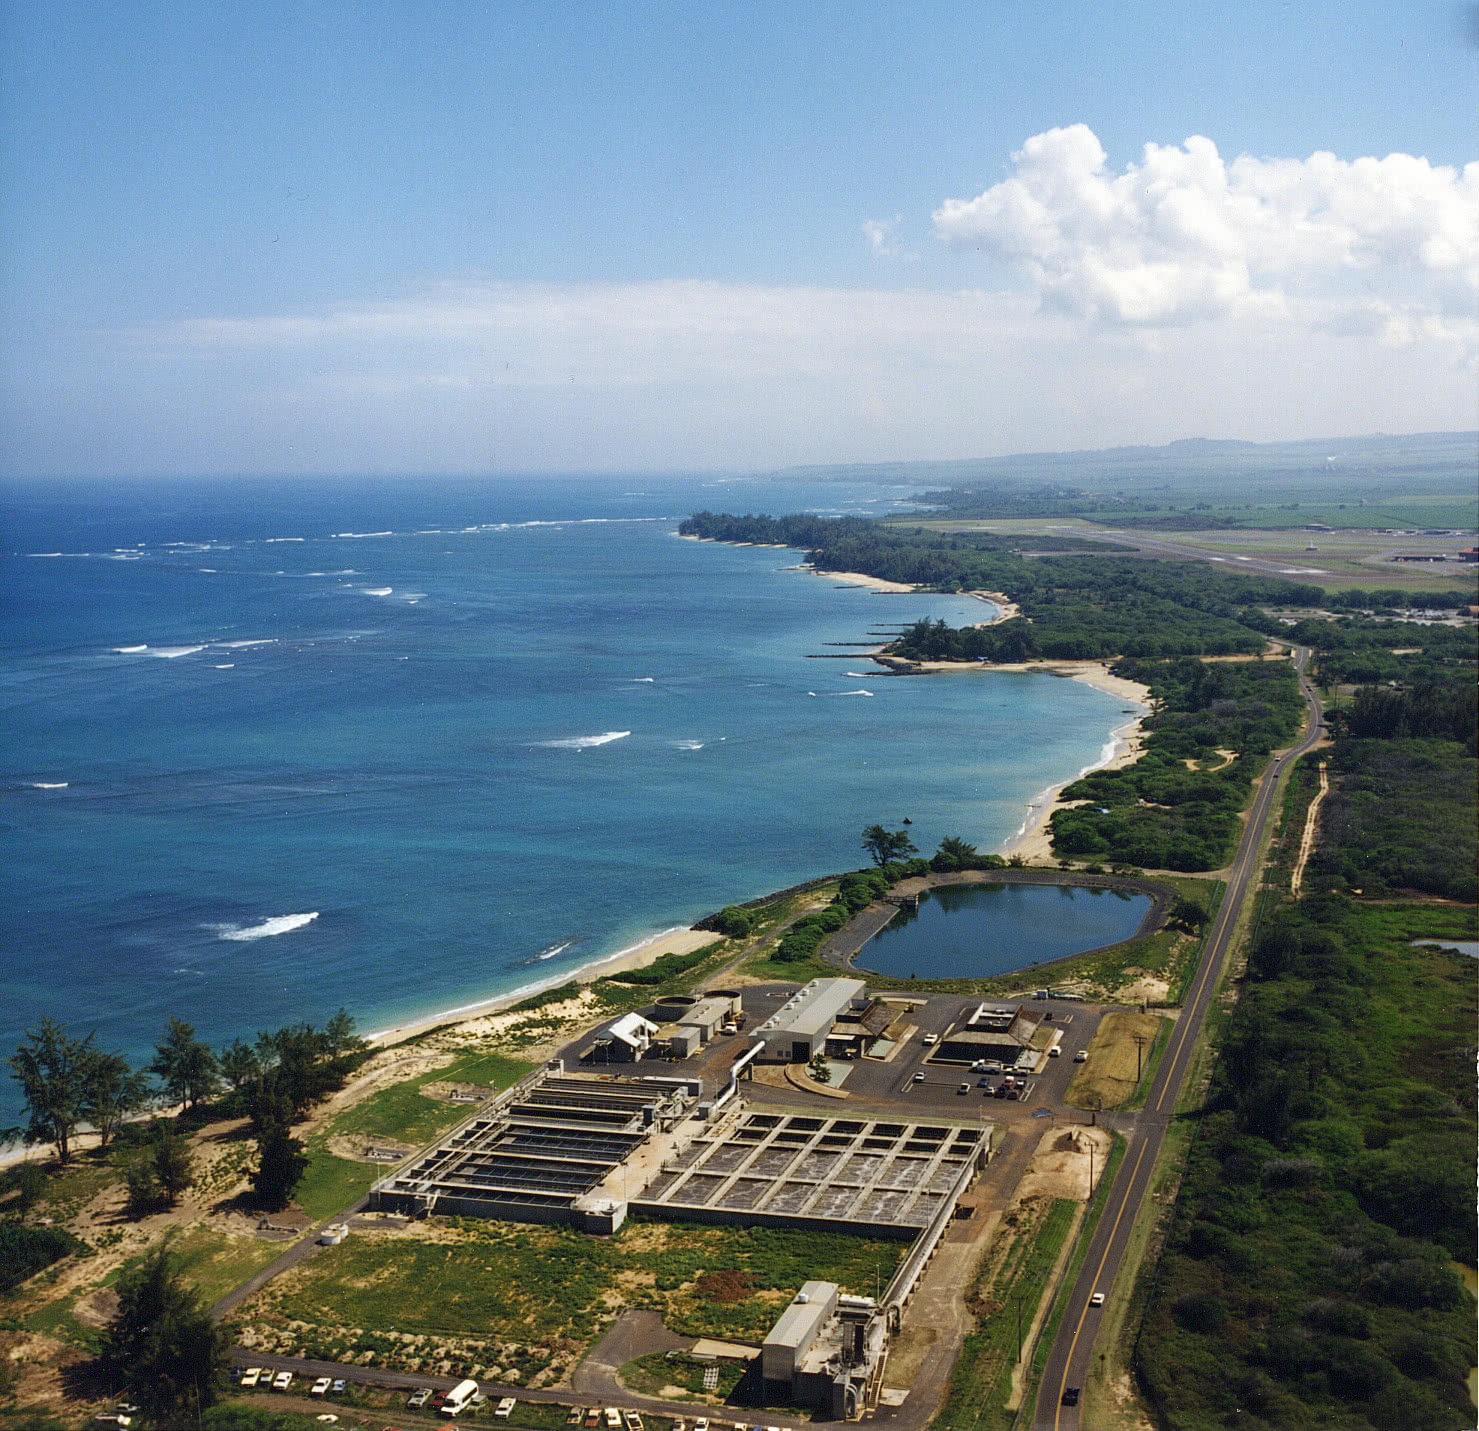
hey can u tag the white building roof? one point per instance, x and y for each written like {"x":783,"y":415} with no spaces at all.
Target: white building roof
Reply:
{"x":633,"y":1030}
{"x":814,"y":1009}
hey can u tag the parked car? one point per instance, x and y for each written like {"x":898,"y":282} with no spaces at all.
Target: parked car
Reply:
{"x":964,"y":1088}
{"x":321,"y":1386}
{"x":505,"y":1406}
{"x":701,"y":1423}
{"x":1082,"y":1056}
{"x":1001,"y":1091}
{"x":633,"y":1420}
{"x":930,"y":1039}
{"x":282,"y":1381}
{"x":575,"y":1416}
{"x":678,"y":1424}
{"x":613,"y":1419}
{"x":419,"y":1398}
{"x":251,"y":1376}
{"x":338,"y":1385}
{"x":918,"y":1077}
{"x":592,"y":1418}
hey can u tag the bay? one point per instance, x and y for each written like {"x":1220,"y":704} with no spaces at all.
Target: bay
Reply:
{"x":273,"y":748}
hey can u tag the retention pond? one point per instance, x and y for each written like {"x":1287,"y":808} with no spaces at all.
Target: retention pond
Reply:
{"x":974,"y":931}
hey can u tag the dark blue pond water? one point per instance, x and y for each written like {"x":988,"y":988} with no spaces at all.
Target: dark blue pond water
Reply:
{"x":969,"y":932}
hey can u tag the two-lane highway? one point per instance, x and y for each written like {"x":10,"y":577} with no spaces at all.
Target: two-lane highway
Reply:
{"x":1070,"y":1358}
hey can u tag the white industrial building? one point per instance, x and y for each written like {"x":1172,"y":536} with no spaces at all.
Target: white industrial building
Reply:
{"x":798,"y":1029}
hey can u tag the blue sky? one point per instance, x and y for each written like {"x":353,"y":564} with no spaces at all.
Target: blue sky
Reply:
{"x":408,"y":237}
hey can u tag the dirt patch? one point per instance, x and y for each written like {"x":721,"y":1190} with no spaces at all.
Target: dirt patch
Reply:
{"x":1062,"y":1164}
{"x":724,"y":1286}
{"x":1143,"y":988}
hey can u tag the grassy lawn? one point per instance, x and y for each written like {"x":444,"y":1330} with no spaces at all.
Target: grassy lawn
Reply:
{"x":403,"y":1113}
{"x":527,"y":1298}
{"x":332,"y":1184}
{"x":214,"y":1262}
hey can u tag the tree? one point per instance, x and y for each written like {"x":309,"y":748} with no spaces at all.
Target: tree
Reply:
{"x":187,"y":1067}
{"x":110,"y":1092}
{"x":281,"y":1163}
{"x":174,"y":1164}
{"x":162,"y":1344}
{"x":239,"y":1065}
{"x":886,"y":846}
{"x":27,"y":1181}
{"x":51,"y":1068}
{"x":953,"y":854}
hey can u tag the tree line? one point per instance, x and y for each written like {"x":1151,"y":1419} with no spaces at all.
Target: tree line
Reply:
{"x":69,"y":1084}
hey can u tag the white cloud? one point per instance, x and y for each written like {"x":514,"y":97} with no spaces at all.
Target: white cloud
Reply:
{"x":683,"y":374}
{"x":1185,"y":236}
{"x":882,"y":238}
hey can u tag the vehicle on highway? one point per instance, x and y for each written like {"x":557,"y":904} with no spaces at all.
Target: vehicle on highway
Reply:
{"x":1055,"y":1052}
{"x":1097,"y":1300}
{"x":282,"y":1381}
{"x":918,"y":1077}
{"x":930,"y":1039}
{"x":1070,"y":1396}
{"x":1082,"y":1056}
{"x":419,"y":1398}
{"x":964,"y":1088}
{"x":321,"y":1386}
{"x":505,"y":1407}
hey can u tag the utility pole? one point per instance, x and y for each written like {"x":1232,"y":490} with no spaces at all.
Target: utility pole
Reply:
{"x":1140,"y":1041}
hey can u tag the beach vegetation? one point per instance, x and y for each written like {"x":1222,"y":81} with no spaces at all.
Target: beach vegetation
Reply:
{"x":186,"y":1066}
{"x":888,"y":846}
{"x":660,"y":971}
{"x":52,"y":1069}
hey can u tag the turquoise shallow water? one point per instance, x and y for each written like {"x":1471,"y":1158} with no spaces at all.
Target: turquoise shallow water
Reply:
{"x":275,"y":748}
{"x":972,"y":933}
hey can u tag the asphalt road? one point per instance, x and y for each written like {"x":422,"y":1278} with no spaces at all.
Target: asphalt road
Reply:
{"x":1071,"y":1356}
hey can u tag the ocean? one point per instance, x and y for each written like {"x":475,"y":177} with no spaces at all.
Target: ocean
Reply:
{"x":273,"y":748}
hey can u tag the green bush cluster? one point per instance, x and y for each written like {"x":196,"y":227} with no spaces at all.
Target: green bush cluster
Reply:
{"x":661,"y":970}
{"x":855,"y":892}
{"x":1164,"y":812}
{"x":25,"y":1251}
{"x":1308,"y":1279}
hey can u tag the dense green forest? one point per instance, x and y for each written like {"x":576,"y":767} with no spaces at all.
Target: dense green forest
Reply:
{"x":1307,"y":1280}
{"x":1074,"y":607}
{"x":1177,"y":806}
{"x":1353,"y":651}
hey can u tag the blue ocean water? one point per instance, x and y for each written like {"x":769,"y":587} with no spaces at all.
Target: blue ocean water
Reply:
{"x":972,"y":932}
{"x":273,"y":748}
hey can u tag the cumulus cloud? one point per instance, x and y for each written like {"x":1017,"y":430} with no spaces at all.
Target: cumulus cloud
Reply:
{"x":1185,"y":236}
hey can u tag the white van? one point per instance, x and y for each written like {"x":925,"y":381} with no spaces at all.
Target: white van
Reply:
{"x":459,"y":1397}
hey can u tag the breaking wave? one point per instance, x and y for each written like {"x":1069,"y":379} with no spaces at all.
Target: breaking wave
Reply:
{"x":278,"y":924}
